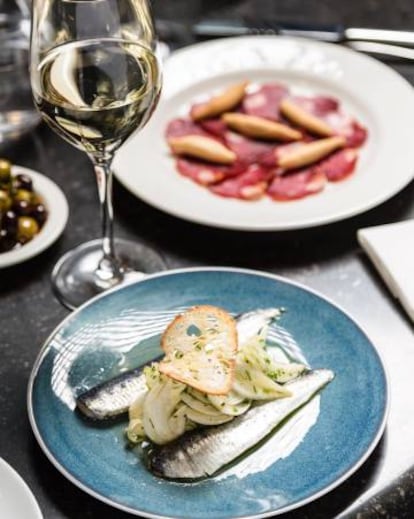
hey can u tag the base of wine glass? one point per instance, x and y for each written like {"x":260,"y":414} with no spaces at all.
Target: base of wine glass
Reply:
{"x":75,"y":278}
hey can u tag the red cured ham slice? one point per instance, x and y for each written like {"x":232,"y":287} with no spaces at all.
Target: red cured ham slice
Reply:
{"x":206,"y":174}
{"x":250,"y":151}
{"x":328,"y":109}
{"x":250,"y":185}
{"x":265,"y":101}
{"x":356,"y":135}
{"x":319,"y":106}
{"x":297,"y":184}
{"x":182,"y":128}
{"x":344,"y":125}
{"x":339,"y":165}
{"x":214,"y":126}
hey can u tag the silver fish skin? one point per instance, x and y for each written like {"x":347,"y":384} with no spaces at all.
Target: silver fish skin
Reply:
{"x":113,"y":398}
{"x":201,"y":453}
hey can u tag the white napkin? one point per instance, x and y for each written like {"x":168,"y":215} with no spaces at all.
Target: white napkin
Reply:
{"x":391,"y":249}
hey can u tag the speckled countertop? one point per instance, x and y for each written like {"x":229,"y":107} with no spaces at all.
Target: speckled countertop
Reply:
{"x":327,"y":259}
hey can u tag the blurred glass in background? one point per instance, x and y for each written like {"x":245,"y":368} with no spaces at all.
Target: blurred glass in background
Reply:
{"x":18,"y":115}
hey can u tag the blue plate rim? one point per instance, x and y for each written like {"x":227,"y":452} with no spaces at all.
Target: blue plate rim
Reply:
{"x":323,"y":491}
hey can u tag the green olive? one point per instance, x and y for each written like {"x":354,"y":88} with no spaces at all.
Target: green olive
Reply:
{"x":5,"y":170}
{"x":5,"y":201}
{"x":36,"y":199}
{"x":23,"y":194}
{"x":27,"y":228}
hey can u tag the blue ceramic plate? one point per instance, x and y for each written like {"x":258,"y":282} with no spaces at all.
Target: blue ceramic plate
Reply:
{"x":121,"y":329}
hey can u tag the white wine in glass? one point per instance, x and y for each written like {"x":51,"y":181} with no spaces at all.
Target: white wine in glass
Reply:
{"x":96,"y":80}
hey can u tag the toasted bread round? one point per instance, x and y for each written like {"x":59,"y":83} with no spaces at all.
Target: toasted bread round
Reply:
{"x":200,"y":347}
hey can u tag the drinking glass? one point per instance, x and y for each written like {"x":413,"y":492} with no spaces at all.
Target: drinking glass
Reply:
{"x":96,"y":80}
{"x":17,"y":112}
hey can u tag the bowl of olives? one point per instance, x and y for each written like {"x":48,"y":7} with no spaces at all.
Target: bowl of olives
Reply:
{"x":33,"y":213}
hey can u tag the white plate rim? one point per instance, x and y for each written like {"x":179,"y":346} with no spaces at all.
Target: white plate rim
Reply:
{"x":107,"y":500}
{"x":215,"y":214}
{"x":22,"y":487}
{"x":58,"y":213}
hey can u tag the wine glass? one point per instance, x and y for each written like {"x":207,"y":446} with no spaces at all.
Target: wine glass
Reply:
{"x":96,"y":79}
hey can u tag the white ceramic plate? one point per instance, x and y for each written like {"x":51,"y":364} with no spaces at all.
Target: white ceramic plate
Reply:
{"x":58,"y":211}
{"x":16,"y":499}
{"x":376,"y":95}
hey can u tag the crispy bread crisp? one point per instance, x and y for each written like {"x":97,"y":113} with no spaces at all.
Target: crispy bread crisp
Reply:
{"x":200,"y":347}
{"x":220,"y":103}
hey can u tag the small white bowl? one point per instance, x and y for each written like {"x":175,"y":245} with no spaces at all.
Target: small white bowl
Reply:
{"x":58,"y":212}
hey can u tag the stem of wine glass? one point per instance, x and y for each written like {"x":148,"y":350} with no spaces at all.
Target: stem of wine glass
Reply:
{"x":109,"y":271}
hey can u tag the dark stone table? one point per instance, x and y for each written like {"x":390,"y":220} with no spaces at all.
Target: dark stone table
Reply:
{"x":326,"y":258}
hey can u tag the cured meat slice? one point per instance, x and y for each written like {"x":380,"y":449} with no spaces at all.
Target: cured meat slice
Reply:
{"x":265,"y":101}
{"x":205,"y":173}
{"x":297,"y":184}
{"x":356,"y":135}
{"x":328,"y":109}
{"x":250,"y":151}
{"x":214,"y":126}
{"x":339,"y":165}
{"x":319,"y":105}
{"x":182,"y":127}
{"x":344,"y":125}
{"x":249,"y":185}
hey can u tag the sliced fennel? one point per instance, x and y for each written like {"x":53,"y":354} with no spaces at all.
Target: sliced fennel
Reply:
{"x":162,"y":422}
{"x":135,"y":430}
{"x":199,"y":406}
{"x":232,"y":404}
{"x":255,"y":354}
{"x":206,"y":419}
{"x":256,"y":385}
{"x":169,"y":408}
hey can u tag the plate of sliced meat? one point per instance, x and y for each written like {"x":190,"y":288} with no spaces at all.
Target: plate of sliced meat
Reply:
{"x":266,"y":133}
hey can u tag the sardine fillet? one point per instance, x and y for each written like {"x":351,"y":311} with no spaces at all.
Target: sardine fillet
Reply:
{"x":114,"y":397}
{"x":201,"y":453}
